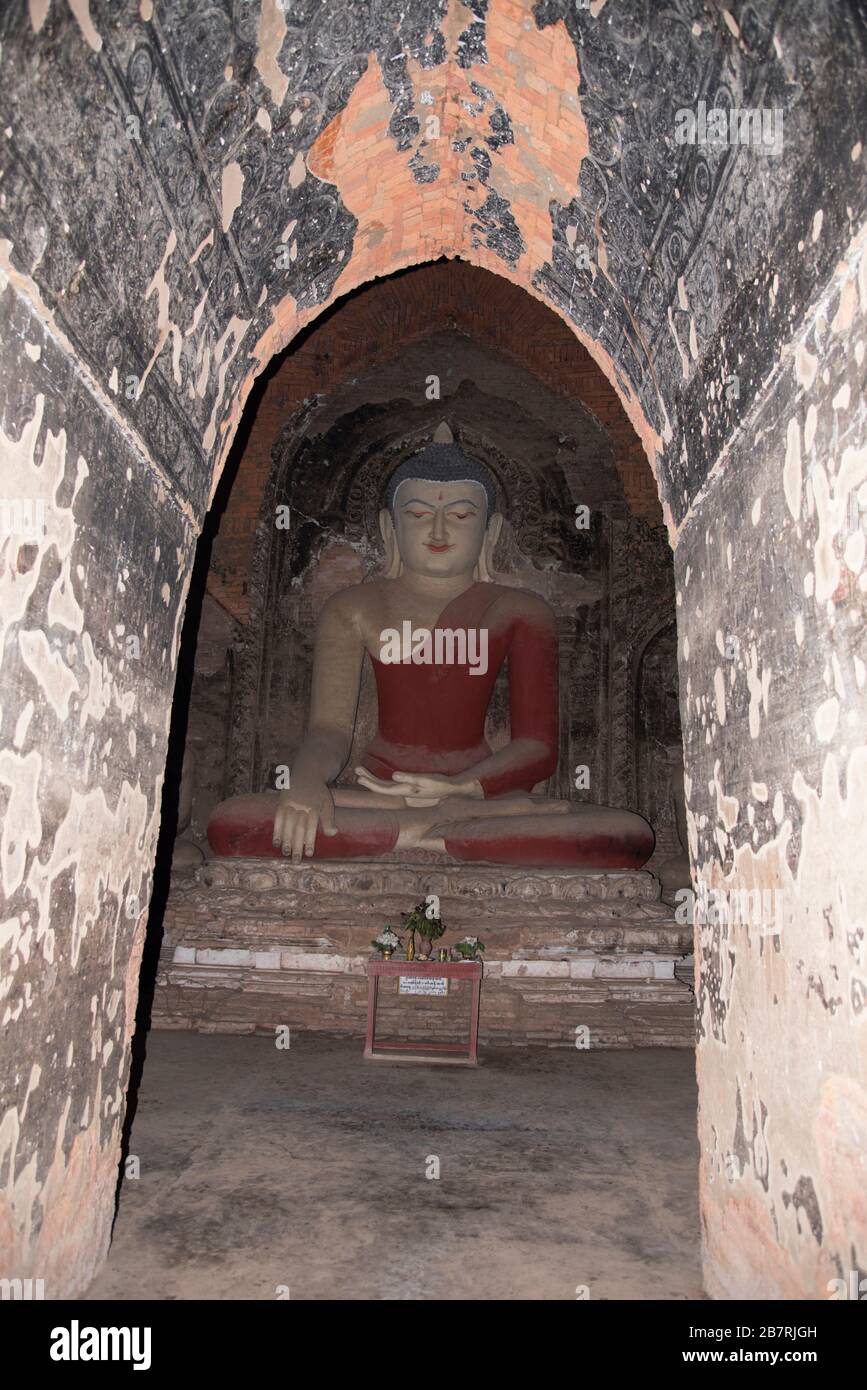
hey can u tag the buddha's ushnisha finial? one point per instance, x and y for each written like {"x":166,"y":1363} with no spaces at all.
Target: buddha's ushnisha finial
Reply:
{"x":443,"y":435}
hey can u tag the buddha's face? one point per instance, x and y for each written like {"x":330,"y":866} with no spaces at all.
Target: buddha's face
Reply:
{"x":440,"y":527}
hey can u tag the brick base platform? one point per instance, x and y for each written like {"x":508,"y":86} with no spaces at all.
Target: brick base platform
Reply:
{"x":251,"y":945}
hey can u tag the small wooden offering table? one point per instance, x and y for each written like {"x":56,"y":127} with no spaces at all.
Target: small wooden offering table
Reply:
{"x":467,"y":1053}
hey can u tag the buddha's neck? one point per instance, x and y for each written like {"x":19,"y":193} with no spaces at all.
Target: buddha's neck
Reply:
{"x":427,"y":586}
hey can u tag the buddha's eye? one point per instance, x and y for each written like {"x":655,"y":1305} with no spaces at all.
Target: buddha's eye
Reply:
{"x":419,"y":516}
{"x":459,"y":516}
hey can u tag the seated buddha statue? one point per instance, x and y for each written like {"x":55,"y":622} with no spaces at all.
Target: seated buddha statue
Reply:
{"x":437,"y":631}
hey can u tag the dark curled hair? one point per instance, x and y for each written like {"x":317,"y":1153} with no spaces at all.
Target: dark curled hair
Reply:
{"x":443,"y":463}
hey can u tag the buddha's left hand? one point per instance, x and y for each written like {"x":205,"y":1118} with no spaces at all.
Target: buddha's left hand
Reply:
{"x":419,"y":788}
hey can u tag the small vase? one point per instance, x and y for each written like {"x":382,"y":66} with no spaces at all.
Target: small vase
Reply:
{"x":424,"y":949}
{"x":387,"y":952}
{"x":410,"y":947}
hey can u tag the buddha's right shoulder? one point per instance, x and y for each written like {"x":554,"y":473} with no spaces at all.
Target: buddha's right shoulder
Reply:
{"x":353,"y":602}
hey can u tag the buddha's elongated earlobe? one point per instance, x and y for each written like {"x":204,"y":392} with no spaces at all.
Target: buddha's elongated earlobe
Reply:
{"x":393,"y":563}
{"x":484,"y":569}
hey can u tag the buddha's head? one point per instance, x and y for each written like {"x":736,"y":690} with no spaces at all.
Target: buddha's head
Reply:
{"x":440,"y":517}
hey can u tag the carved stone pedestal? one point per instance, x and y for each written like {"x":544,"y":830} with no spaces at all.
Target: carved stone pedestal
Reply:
{"x":571,"y":958}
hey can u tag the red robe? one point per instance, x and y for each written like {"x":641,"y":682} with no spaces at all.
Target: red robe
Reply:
{"x":432,"y":718}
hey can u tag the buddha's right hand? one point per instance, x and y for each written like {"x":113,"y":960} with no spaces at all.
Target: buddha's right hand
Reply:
{"x":299,"y":813}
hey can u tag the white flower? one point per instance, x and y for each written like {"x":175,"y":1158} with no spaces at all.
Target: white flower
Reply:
{"x":470,"y":941}
{"x":387,"y":938}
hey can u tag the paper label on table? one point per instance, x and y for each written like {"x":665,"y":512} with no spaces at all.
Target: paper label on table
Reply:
{"x":422,"y":984}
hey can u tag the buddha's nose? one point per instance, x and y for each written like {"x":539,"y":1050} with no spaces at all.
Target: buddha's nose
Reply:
{"x":438,"y":530}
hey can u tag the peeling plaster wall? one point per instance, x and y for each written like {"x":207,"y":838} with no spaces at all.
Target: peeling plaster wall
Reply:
{"x":235,"y":171}
{"x":89,"y":635}
{"x":156,"y":156}
{"x":776,"y":747}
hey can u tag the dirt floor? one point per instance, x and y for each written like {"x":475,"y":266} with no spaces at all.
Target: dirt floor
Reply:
{"x":303,"y":1174}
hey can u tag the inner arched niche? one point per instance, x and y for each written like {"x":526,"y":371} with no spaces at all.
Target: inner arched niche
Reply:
{"x":520,"y":394}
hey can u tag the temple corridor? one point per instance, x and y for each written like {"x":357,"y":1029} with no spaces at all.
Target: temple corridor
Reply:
{"x":556,"y":1171}
{"x":433,"y":616}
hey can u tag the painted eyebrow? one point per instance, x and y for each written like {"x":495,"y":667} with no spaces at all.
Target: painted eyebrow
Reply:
{"x":461,"y":502}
